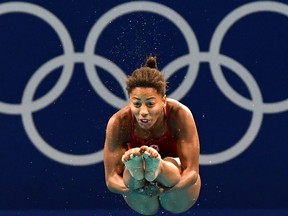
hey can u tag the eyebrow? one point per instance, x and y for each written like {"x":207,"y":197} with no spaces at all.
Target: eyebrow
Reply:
{"x":150,"y":98}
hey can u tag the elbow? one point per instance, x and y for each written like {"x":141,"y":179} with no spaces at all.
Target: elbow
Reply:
{"x":109,"y":185}
{"x":192,"y":175}
{"x":112,"y":187}
{"x":195,"y":177}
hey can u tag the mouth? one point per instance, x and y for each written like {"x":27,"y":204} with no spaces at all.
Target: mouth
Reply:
{"x":144,"y":121}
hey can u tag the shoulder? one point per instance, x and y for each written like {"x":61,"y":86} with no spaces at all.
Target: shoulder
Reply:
{"x":177,"y":108}
{"x":117,"y":135}
{"x":118,"y":129}
{"x":180,"y":115}
{"x":118,"y":126}
{"x":120,"y":119}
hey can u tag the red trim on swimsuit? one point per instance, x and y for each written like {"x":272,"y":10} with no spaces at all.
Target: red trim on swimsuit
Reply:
{"x":166,"y":145}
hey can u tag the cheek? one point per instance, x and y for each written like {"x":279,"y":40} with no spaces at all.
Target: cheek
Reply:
{"x":156,"y":112}
{"x":134,"y":111}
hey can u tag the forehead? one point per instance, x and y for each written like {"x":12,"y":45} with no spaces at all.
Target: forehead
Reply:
{"x":144,"y":93}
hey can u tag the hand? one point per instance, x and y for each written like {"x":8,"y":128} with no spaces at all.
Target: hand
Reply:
{"x":153,"y":153}
{"x":130,"y":154}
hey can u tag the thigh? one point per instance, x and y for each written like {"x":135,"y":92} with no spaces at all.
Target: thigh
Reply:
{"x":176,"y":161}
{"x":182,"y":200}
{"x":142,"y":204}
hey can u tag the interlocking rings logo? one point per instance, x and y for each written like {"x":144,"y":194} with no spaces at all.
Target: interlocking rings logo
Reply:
{"x":193,"y":59}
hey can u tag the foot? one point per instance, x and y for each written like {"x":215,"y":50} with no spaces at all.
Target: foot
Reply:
{"x":152,"y":164}
{"x":133,"y":161}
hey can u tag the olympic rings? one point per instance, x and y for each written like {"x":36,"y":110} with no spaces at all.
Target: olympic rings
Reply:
{"x":193,"y":59}
{"x":217,"y":38}
{"x":66,"y":41}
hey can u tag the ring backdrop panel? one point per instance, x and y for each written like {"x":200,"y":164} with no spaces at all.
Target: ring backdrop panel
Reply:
{"x":62,"y":75}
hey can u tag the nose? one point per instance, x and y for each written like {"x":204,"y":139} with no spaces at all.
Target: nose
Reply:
{"x":143,"y":110}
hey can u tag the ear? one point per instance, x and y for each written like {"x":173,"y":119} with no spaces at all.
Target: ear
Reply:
{"x":164,"y":99}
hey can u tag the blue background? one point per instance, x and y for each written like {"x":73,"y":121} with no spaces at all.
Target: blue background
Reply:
{"x":75,"y":122}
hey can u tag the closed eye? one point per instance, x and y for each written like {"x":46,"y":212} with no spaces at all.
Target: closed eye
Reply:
{"x":151,"y":104}
{"x":137,"y":104}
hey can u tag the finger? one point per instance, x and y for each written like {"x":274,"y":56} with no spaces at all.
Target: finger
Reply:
{"x":128,"y":155}
{"x":152,"y":152}
{"x":125,"y":158}
{"x":143,"y":149}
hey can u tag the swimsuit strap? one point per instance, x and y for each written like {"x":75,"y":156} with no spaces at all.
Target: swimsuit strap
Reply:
{"x":131,"y":124}
{"x":167,"y":116}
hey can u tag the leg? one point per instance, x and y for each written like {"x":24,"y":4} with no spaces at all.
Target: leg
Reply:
{"x":133,"y":161}
{"x":181,"y":201}
{"x":131,"y":182}
{"x":170,"y":173}
{"x":152,"y":165}
{"x":142,"y":204}
{"x":133,"y":178}
{"x":165,"y":172}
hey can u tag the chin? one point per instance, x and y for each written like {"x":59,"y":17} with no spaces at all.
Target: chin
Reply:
{"x":145,"y":126}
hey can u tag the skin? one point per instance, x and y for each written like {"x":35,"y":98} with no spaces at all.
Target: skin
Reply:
{"x":178,"y":185}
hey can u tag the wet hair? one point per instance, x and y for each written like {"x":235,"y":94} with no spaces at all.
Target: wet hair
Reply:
{"x":147,"y":76}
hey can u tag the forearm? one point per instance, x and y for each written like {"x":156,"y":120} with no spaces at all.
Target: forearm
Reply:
{"x":188,"y":178}
{"x":115,"y":184}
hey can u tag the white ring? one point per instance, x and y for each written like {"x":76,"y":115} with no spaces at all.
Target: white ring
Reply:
{"x":90,"y":59}
{"x":57,"y":25}
{"x":30,"y":128}
{"x":216,"y":41}
{"x":143,"y":6}
{"x":257,"y":116}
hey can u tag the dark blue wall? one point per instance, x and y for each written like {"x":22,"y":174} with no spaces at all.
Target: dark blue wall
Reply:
{"x":62,"y":65}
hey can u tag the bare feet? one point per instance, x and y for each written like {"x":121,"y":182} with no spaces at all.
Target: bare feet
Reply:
{"x":152,"y":163}
{"x":133,"y":161}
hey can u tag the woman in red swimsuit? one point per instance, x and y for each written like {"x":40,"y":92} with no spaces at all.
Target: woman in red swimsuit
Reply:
{"x":151,"y":152}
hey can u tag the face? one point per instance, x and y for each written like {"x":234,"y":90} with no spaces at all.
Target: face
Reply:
{"x":147,"y":106}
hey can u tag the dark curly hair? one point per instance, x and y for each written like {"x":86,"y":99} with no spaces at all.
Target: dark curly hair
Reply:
{"x":147,"y":76}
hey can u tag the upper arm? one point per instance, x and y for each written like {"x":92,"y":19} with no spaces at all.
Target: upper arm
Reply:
{"x":188,"y":140}
{"x":114,"y":147}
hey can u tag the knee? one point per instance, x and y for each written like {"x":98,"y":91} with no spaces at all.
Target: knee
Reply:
{"x":148,"y":211}
{"x":177,"y":205}
{"x":171,"y":207}
{"x":141,"y":204}
{"x":145,"y":209}
{"x":175,"y":208}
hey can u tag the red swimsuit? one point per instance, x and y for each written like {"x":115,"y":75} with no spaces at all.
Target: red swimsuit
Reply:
{"x":166,"y":145}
